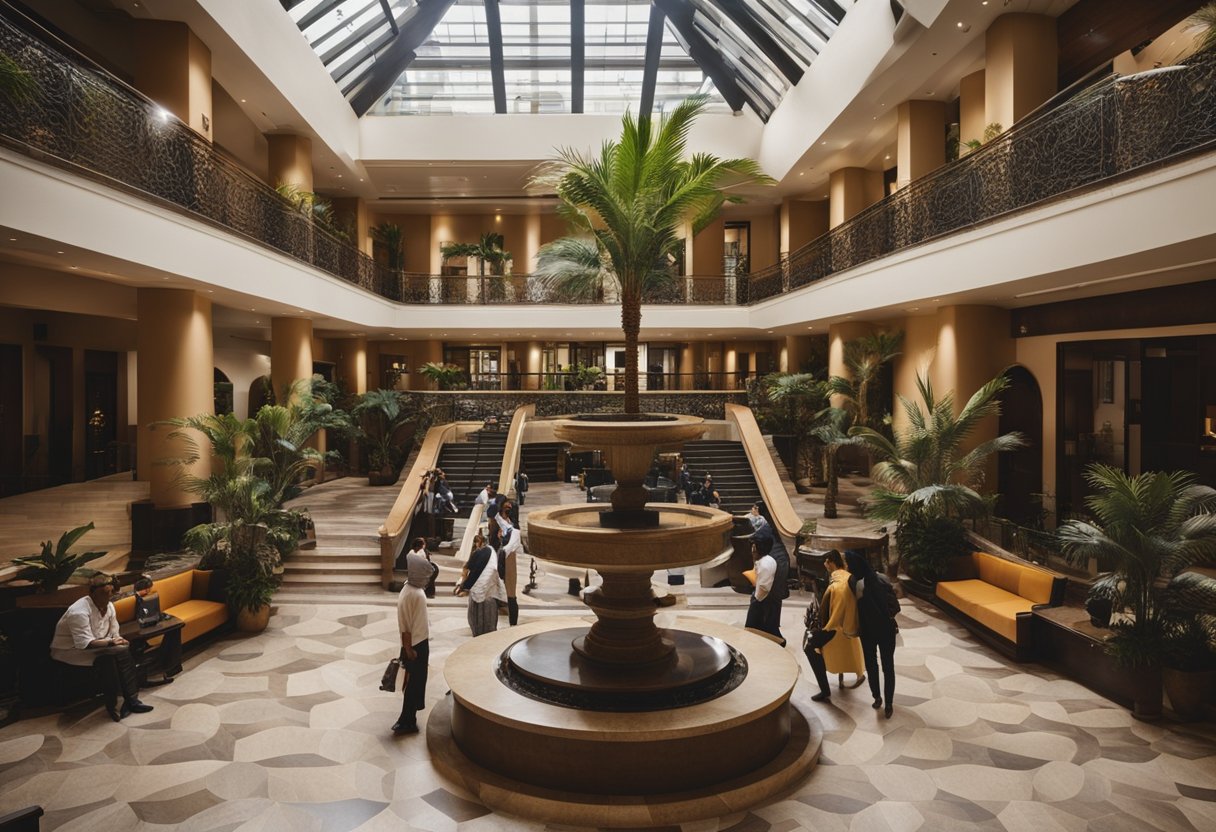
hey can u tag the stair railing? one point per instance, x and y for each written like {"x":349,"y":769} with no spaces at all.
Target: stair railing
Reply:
{"x":785,"y":519}
{"x":392,"y":534}
{"x":506,"y":477}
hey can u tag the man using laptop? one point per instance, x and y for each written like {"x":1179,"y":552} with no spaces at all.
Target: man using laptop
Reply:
{"x":87,"y":636}
{"x":148,"y":613}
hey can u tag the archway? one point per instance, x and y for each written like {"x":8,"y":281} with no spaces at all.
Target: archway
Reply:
{"x":261,"y":392}
{"x":223,"y":392}
{"x":1020,"y":472}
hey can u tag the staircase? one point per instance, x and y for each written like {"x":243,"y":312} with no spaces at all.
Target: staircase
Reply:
{"x":470,"y":465}
{"x":732,"y":473}
{"x":539,"y":459}
{"x":347,"y":512}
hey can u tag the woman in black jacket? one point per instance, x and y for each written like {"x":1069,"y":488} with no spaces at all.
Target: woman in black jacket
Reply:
{"x":875,"y":602}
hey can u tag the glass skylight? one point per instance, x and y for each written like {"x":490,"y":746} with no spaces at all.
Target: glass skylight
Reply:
{"x":414,"y":57}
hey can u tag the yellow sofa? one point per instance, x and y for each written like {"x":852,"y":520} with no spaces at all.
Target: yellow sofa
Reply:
{"x":185,"y":596}
{"x":999,"y":595}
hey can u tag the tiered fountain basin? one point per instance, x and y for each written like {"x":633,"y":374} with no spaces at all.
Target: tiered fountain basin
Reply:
{"x":645,"y":723}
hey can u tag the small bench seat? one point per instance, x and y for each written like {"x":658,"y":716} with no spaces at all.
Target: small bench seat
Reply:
{"x":999,"y":598}
{"x":187,"y":596}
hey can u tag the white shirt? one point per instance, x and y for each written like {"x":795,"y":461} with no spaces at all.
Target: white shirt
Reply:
{"x":766,"y":572}
{"x":482,"y":498}
{"x":489,"y":584}
{"x":411,"y":614}
{"x":513,"y":543}
{"x":81,"y":625}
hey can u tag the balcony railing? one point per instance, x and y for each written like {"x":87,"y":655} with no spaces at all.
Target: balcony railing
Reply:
{"x":79,"y":117}
{"x":1119,"y":126}
{"x":614,"y":382}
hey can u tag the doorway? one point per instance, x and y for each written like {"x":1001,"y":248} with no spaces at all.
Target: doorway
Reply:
{"x":55,"y":408}
{"x":100,"y":413}
{"x":11,"y":421}
{"x":1020,"y":472}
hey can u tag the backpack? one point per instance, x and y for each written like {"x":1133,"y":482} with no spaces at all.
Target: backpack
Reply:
{"x":886,"y":600}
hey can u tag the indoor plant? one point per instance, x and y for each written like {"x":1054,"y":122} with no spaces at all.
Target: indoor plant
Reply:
{"x":1145,"y":530}
{"x":52,"y":567}
{"x":630,"y":203}
{"x":925,"y":482}
{"x":786,"y":404}
{"x":445,"y":376}
{"x":381,"y":415}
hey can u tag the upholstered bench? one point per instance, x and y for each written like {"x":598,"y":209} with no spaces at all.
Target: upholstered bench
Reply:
{"x":188,"y":596}
{"x":997,"y":595}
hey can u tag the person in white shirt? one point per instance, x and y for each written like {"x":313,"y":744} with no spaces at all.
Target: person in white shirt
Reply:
{"x":512,"y":544}
{"x":421,"y":570}
{"x":415,"y":641}
{"x":486,"y":495}
{"x":764,"y":611}
{"x":484,"y":587}
{"x":87,"y":636}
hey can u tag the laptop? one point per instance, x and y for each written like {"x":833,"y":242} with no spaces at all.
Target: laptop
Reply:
{"x":147,"y":610}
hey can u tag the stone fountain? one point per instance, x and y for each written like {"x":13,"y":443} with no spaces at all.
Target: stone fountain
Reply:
{"x":620,"y":721}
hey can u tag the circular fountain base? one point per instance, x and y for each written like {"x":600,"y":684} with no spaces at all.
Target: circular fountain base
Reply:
{"x":611,"y":768}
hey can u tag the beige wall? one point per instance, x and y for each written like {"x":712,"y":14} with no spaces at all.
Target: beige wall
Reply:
{"x":1168,"y":48}
{"x":173,"y":68}
{"x":352,"y":364}
{"x":801,"y":221}
{"x":1021,"y":66}
{"x":851,"y":191}
{"x":236,"y":134}
{"x":971,"y":112}
{"x":291,"y":356}
{"x":708,"y":248}
{"x":920,"y":139}
{"x":289,"y":160}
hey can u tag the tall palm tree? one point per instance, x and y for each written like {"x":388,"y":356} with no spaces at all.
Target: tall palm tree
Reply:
{"x":794,"y":400}
{"x":865,"y":357}
{"x":831,"y":428}
{"x":925,"y":482}
{"x":630,"y":204}
{"x":488,"y":250}
{"x":925,"y":467}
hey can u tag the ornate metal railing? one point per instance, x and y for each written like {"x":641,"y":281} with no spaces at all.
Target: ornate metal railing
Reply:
{"x":76,"y":116}
{"x":526,"y":288}
{"x":466,"y":405}
{"x":79,"y":117}
{"x":1116,"y":127}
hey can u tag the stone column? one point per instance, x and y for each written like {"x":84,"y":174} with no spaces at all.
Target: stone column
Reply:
{"x":802,"y":220}
{"x":532,"y":365}
{"x":1020,"y":68}
{"x":838,"y":335}
{"x":352,"y":364}
{"x":175,"y":378}
{"x":352,"y":211}
{"x":971,"y":110}
{"x":852,"y":190}
{"x":921,"y":139}
{"x":173,"y":68}
{"x":290,"y":159}
{"x":795,"y":352}
{"x":290,"y":353}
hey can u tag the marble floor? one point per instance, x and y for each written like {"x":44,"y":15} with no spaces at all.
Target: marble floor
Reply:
{"x":287,"y":730}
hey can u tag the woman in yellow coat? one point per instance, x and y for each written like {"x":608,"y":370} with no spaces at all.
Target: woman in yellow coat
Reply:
{"x":838,"y":614}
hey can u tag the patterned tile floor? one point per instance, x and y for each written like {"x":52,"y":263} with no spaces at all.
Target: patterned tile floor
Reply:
{"x":287,"y":730}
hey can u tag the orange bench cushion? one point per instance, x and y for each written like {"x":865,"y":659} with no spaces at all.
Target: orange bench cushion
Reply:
{"x":184,"y":596}
{"x":1021,"y":579}
{"x":968,"y":596}
{"x":199,"y":617}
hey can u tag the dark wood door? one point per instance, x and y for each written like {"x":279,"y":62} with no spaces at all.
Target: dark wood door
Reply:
{"x":11,"y":428}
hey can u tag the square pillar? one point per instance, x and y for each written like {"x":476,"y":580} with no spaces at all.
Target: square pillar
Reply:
{"x":921,"y":139}
{"x":173,"y":68}
{"x":290,"y":160}
{"x":1020,"y":72}
{"x":971,"y":113}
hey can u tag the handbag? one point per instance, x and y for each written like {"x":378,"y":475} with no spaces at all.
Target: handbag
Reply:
{"x":388,"y":682}
{"x":814,"y":637}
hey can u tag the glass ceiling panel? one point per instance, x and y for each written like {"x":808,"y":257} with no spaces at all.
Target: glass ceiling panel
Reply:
{"x":451,"y":69}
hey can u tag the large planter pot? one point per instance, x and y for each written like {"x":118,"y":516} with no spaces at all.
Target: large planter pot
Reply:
{"x":253,"y":621}
{"x":1189,"y":691}
{"x":1146,"y":692}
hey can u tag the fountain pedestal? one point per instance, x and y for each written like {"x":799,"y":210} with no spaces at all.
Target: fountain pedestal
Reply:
{"x":624,"y":709}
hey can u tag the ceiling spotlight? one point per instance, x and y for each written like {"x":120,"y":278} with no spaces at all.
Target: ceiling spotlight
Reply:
{"x":802,"y":173}
{"x":243,"y":101}
{"x":963,"y":27}
{"x":12,"y":239}
{"x":59,"y":252}
{"x":73,"y":268}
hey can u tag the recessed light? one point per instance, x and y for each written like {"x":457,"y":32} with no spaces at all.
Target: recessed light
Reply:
{"x":339,"y":176}
{"x":965,"y":27}
{"x":802,"y":173}
{"x":888,"y":156}
{"x":243,"y":101}
{"x":930,"y":92}
{"x":60,"y":252}
{"x":937,"y":300}
{"x":810,"y":327}
{"x":12,"y":239}
{"x":73,"y":268}
{"x":913,"y":308}
{"x":823,"y":142}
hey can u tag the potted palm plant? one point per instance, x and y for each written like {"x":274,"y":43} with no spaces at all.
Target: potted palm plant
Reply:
{"x":381,"y":416}
{"x":1144,"y":532}
{"x":788,"y":404}
{"x":629,"y":204}
{"x":926,"y":483}
{"x":445,"y":376}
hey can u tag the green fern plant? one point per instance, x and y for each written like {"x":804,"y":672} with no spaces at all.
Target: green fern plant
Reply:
{"x":52,"y":567}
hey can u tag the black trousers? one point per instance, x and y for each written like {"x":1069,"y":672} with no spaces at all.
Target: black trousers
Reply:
{"x":414,"y":693}
{"x":874,"y":650}
{"x":765,"y":615}
{"x":815,"y":659}
{"x":165,"y":658}
{"x":115,"y":670}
